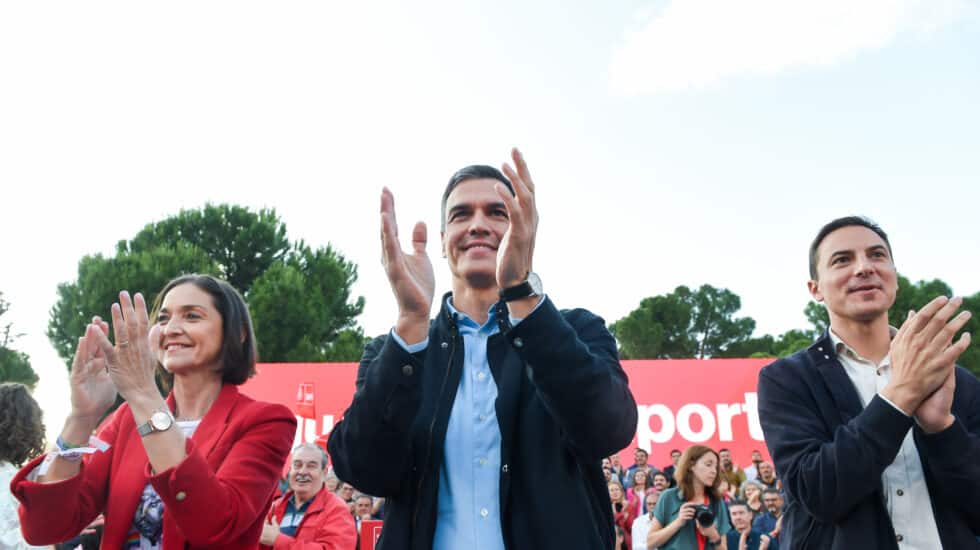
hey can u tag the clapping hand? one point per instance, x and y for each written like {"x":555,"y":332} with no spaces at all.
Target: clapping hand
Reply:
{"x":923,"y":355}
{"x":131,"y":362}
{"x":410,"y":275}
{"x":92,"y":390}
{"x":516,"y":251}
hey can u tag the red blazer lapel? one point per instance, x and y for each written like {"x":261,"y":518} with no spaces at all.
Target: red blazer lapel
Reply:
{"x":215,"y":421}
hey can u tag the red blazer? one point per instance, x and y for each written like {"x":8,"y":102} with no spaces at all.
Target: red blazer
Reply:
{"x":327,"y":524}
{"x":217,"y":497}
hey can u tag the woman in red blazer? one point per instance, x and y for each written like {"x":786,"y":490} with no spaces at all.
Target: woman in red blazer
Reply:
{"x":195,"y":470}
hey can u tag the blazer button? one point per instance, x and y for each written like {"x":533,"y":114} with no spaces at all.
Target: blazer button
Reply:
{"x":407,"y":370}
{"x":180,"y":496}
{"x":505,"y":468}
{"x":518,"y":343}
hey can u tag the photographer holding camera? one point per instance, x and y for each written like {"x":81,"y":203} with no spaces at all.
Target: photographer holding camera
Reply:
{"x":691,"y":516}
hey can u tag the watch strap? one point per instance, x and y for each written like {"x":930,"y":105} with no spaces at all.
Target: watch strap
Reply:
{"x":516,"y":292}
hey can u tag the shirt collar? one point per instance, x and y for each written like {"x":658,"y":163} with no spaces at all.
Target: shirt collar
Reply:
{"x":466,"y":319}
{"x":842,"y":348}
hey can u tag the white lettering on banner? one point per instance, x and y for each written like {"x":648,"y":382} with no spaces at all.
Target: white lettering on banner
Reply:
{"x":707,"y":422}
{"x":681,"y":424}
{"x":306,"y":429}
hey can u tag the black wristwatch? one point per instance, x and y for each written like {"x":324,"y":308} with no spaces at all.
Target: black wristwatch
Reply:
{"x":530,"y":287}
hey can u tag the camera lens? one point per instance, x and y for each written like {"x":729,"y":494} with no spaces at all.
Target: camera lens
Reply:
{"x":705,"y":516}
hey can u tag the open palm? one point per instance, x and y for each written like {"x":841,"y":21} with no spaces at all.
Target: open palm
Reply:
{"x":92,"y":391}
{"x":410,"y":275}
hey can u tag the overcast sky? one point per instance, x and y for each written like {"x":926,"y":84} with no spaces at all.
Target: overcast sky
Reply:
{"x":672,"y":142}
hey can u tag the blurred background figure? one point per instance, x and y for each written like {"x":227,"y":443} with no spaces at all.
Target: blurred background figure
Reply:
{"x":309,"y":515}
{"x":21,"y":439}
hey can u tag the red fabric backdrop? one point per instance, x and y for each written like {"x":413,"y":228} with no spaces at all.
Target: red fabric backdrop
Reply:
{"x":680,"y":402}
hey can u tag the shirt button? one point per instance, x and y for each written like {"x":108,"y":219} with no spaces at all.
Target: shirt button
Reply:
{"x":481,"y":376}
{"x":483,"y":461}
{"x":899,"y":538}
{"x":483,"y":417}
{"x":407,"y":370}
{"x":518,"y":343}
{"x":900,"y":492}
{"x":484,"y":512}
{"x":180,"y":496}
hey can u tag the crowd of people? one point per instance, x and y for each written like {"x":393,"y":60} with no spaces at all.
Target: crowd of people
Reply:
{"x":499,"y":420}
{"x":745,"y":510}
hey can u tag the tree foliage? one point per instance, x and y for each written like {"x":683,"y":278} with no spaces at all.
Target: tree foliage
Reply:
{"x":303,"y":304}
{"x":683,"y":323}
{"x":15,"y":366}
{"x":241,"y":243}
{"x":300,"y":298}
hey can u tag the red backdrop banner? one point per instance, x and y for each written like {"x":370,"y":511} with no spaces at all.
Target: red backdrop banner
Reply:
{"x":680,"y":402}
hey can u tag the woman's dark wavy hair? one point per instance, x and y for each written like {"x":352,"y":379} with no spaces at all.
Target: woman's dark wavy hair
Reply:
{"x":21,"y":425}
{"x":238,"y":355}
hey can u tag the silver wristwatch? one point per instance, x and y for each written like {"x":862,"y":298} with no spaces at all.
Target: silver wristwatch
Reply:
{"x":160,"y":421}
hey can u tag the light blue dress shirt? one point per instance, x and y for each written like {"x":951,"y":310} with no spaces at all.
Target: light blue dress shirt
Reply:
{"x":469,"y":479}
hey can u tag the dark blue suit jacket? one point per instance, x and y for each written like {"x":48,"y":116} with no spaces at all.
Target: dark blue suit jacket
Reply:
{"x":830,"y":453}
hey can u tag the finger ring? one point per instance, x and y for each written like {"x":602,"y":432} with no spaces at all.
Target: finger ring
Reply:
{"x":123,"y":344}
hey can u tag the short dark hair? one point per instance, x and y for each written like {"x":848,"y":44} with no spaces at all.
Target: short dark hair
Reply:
{"x":641,"y":450}
{"x":737,"y":502}
{"x":771,"y":491}
{"x":846,"y":221}
{"x":21,"y":427}
{"x":238,"y":355}
{"x":472,"y":172}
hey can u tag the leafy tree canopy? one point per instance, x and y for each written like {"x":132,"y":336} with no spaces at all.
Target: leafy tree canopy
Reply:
{"x":15,"y":366}
{"x":683,"y":323}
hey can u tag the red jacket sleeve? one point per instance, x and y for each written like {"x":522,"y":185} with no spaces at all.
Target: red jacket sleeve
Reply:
{"x":87,"y":489}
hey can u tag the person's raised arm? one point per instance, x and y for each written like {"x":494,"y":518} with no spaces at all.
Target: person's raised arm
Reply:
{"x":132,"y":364}
{"x":370,"y":446}
{"x":92,"y":393}
{"x":575,"y":365}
{"x":410,"y":275}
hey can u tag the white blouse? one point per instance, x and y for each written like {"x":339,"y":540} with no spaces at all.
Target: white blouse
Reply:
{"x":10,"y":537}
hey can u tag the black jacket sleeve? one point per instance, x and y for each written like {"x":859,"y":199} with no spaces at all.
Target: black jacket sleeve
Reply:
{"x":953,"y":455}
{"x":371,"y":447}
{"x":575,"y":367}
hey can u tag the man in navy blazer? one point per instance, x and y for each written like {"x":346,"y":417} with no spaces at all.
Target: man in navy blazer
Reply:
{"x":874,"y":431}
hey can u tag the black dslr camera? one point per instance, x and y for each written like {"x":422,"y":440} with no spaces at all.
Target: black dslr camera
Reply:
{"x":704,"y":515}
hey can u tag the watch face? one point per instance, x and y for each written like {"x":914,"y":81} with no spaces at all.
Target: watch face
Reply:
{"x":535,"y":282}
{"x":161,"y":421}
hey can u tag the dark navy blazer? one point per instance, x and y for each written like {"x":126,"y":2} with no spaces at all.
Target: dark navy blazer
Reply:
{"x":830,"y":453}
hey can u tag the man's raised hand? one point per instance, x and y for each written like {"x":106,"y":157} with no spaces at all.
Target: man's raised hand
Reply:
{"x":410,"y":275}
{"x":516,"y":251}
{"x":923,"y":352}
